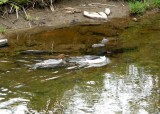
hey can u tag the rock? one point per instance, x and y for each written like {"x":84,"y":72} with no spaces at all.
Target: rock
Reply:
{"x":135,"y":19}
{"x":71,"y":10}
{"x":3,"y":42}
{"x":107,"y":11}
{"x":95,"y":15}
{"x":104,"y":41}
{"x":97,"y":45}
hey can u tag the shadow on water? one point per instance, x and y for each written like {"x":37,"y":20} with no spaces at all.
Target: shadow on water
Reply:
{"x":128,"y":85}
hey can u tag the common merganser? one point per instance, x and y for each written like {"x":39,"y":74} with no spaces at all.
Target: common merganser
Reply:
{"x":98,"y":60}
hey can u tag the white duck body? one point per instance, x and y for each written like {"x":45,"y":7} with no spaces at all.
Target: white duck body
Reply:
{"x":96,"y":62}
{"x":50,"y":63}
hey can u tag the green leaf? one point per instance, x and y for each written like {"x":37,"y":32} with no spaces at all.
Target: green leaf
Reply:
{"x":3,"y":1}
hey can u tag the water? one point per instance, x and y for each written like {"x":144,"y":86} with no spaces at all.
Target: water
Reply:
{"x":127,"y":84}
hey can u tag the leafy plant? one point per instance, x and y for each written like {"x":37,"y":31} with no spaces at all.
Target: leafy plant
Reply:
{"x":2,"y":29}
{"x":3,"y":1}
{"x":138,"y":7}
{"x":156,"y":3}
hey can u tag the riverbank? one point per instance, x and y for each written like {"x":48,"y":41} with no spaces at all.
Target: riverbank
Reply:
{"x":45,"y":17}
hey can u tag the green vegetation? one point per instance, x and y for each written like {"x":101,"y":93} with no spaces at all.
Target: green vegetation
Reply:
{"x":3,"y":1}
{"x":2,"y":29}
{"x":140,"y":6}
{"x":14,"y":6}
{"x":156,"y":3}
{"x":137,"y":7}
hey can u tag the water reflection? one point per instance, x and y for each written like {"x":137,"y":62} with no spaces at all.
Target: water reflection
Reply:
{"x":129,"y":93}
{"x":12,"y":105}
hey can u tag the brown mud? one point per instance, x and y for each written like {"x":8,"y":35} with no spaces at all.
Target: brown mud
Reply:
{"x":45,"y":17}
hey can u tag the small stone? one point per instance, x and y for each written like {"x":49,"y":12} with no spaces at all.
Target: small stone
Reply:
{"x":97,"y":45}
{"x":135,"y":19}
{"x":3,"y":42}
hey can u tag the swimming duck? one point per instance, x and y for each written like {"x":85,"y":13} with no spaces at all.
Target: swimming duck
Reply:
{"x":56,"y":61}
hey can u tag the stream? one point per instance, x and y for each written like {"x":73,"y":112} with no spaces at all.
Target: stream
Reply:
{"x":113,"y":68}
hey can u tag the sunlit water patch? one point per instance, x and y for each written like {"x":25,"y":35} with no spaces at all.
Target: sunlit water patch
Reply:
{"x":129,"y":93}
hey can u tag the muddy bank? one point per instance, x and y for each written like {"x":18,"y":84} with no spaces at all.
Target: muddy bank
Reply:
{"x":45,"y":17}
{"x":74,"y":40}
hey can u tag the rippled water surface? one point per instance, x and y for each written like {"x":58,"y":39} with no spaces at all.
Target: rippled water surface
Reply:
{"x":128,"y":83}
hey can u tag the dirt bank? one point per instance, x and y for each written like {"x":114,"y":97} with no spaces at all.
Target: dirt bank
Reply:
{"x":45,"y":17}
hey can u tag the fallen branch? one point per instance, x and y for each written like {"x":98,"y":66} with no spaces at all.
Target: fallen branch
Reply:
{"x":51,"y":6}
{"x":17,"y":13}
{"x":95,"y":4}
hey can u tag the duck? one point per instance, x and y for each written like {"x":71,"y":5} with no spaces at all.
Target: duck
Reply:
{"x":97,"y":60}
{"x":55,"y":61}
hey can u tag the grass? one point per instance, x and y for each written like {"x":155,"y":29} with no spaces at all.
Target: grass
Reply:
{"x":138,"y":7}
{"x":2,"y":29}
{"x":156,"y":3}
